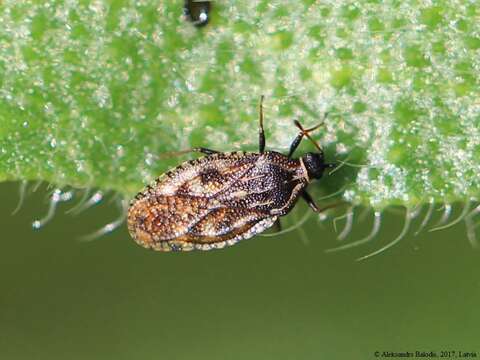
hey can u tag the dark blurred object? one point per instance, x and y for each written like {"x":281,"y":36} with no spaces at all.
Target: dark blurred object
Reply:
{"x":197,"y":12}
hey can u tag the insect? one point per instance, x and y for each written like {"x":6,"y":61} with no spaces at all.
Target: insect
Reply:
{"x":222,"y":198}
{"x":197,"y":12}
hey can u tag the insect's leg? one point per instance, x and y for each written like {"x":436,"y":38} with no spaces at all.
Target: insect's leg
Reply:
{"x":278,"y":225}
{"x":295,"y":144}
{"x":261,"y":133}
{"x":197,"y":12}
{"x":204,"y":150}
{"x":308,"y":199}
{"x":305,"y":132}
{"x":299,"y":137}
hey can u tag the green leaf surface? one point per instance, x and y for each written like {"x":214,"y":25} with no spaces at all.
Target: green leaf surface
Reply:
{"x":92,"y":93}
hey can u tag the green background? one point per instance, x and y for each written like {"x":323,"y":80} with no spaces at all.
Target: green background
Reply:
{"x":266,"y":298}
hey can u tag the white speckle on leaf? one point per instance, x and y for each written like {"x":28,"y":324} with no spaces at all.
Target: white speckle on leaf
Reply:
{"x":102,"y":97}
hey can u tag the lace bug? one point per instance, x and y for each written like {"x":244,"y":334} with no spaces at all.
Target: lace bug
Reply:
{"x":222,"y":198}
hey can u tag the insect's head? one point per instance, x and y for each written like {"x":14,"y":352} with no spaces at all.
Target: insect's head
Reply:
{"x":315,"y":164}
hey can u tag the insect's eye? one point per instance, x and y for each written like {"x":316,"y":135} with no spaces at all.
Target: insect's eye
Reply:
{"x":197,"y":12}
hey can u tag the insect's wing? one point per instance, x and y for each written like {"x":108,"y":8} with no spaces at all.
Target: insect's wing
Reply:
{"x":183,"y":223}
{"x":156,"y":218}
{"x":214,"y":201}
{"x":207,"y":176}
{"x":226,"y":226}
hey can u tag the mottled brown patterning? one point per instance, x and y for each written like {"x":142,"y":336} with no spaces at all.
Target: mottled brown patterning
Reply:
{"x":222,"y":198}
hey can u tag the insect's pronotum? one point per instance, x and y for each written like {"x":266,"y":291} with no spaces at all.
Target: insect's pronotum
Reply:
{"x":222,"y":198}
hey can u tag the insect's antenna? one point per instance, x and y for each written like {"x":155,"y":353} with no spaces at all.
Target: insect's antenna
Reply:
{"x":306,"y":132}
